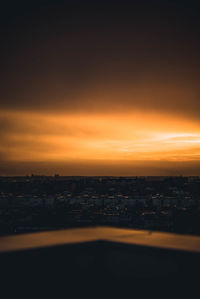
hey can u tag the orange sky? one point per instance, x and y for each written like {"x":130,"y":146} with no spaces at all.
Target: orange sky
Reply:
{"x":100,"y":88}
{"x":110,"y":138}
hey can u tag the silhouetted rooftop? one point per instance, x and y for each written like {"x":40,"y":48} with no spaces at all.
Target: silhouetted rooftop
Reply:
{"x":100,"y":261}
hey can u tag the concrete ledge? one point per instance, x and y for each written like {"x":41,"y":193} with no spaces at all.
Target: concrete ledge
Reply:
{"x":91,"y":234}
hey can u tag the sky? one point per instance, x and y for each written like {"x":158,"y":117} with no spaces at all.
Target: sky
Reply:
{"x":100,"y":88}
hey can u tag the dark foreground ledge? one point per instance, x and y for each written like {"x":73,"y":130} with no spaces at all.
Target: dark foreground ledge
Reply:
{"x":100,"y":261}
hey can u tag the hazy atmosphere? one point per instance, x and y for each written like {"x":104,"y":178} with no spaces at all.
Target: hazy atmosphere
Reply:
{"x":100,"y":88}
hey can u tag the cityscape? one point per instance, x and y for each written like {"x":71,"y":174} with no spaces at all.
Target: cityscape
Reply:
{"x":38,"y":203}
{"x":100,"y":148}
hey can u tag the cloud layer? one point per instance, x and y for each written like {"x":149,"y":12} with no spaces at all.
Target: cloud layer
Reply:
{"x":116,"y":82}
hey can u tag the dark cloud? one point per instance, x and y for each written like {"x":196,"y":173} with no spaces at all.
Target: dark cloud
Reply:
{"x":81,"y":55}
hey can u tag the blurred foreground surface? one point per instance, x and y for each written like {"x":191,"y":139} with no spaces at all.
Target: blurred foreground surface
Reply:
{"x":100,"y":262}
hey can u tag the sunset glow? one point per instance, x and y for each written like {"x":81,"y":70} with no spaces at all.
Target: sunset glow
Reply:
{"x":90,"y":86}
{"x":63,"y":137}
